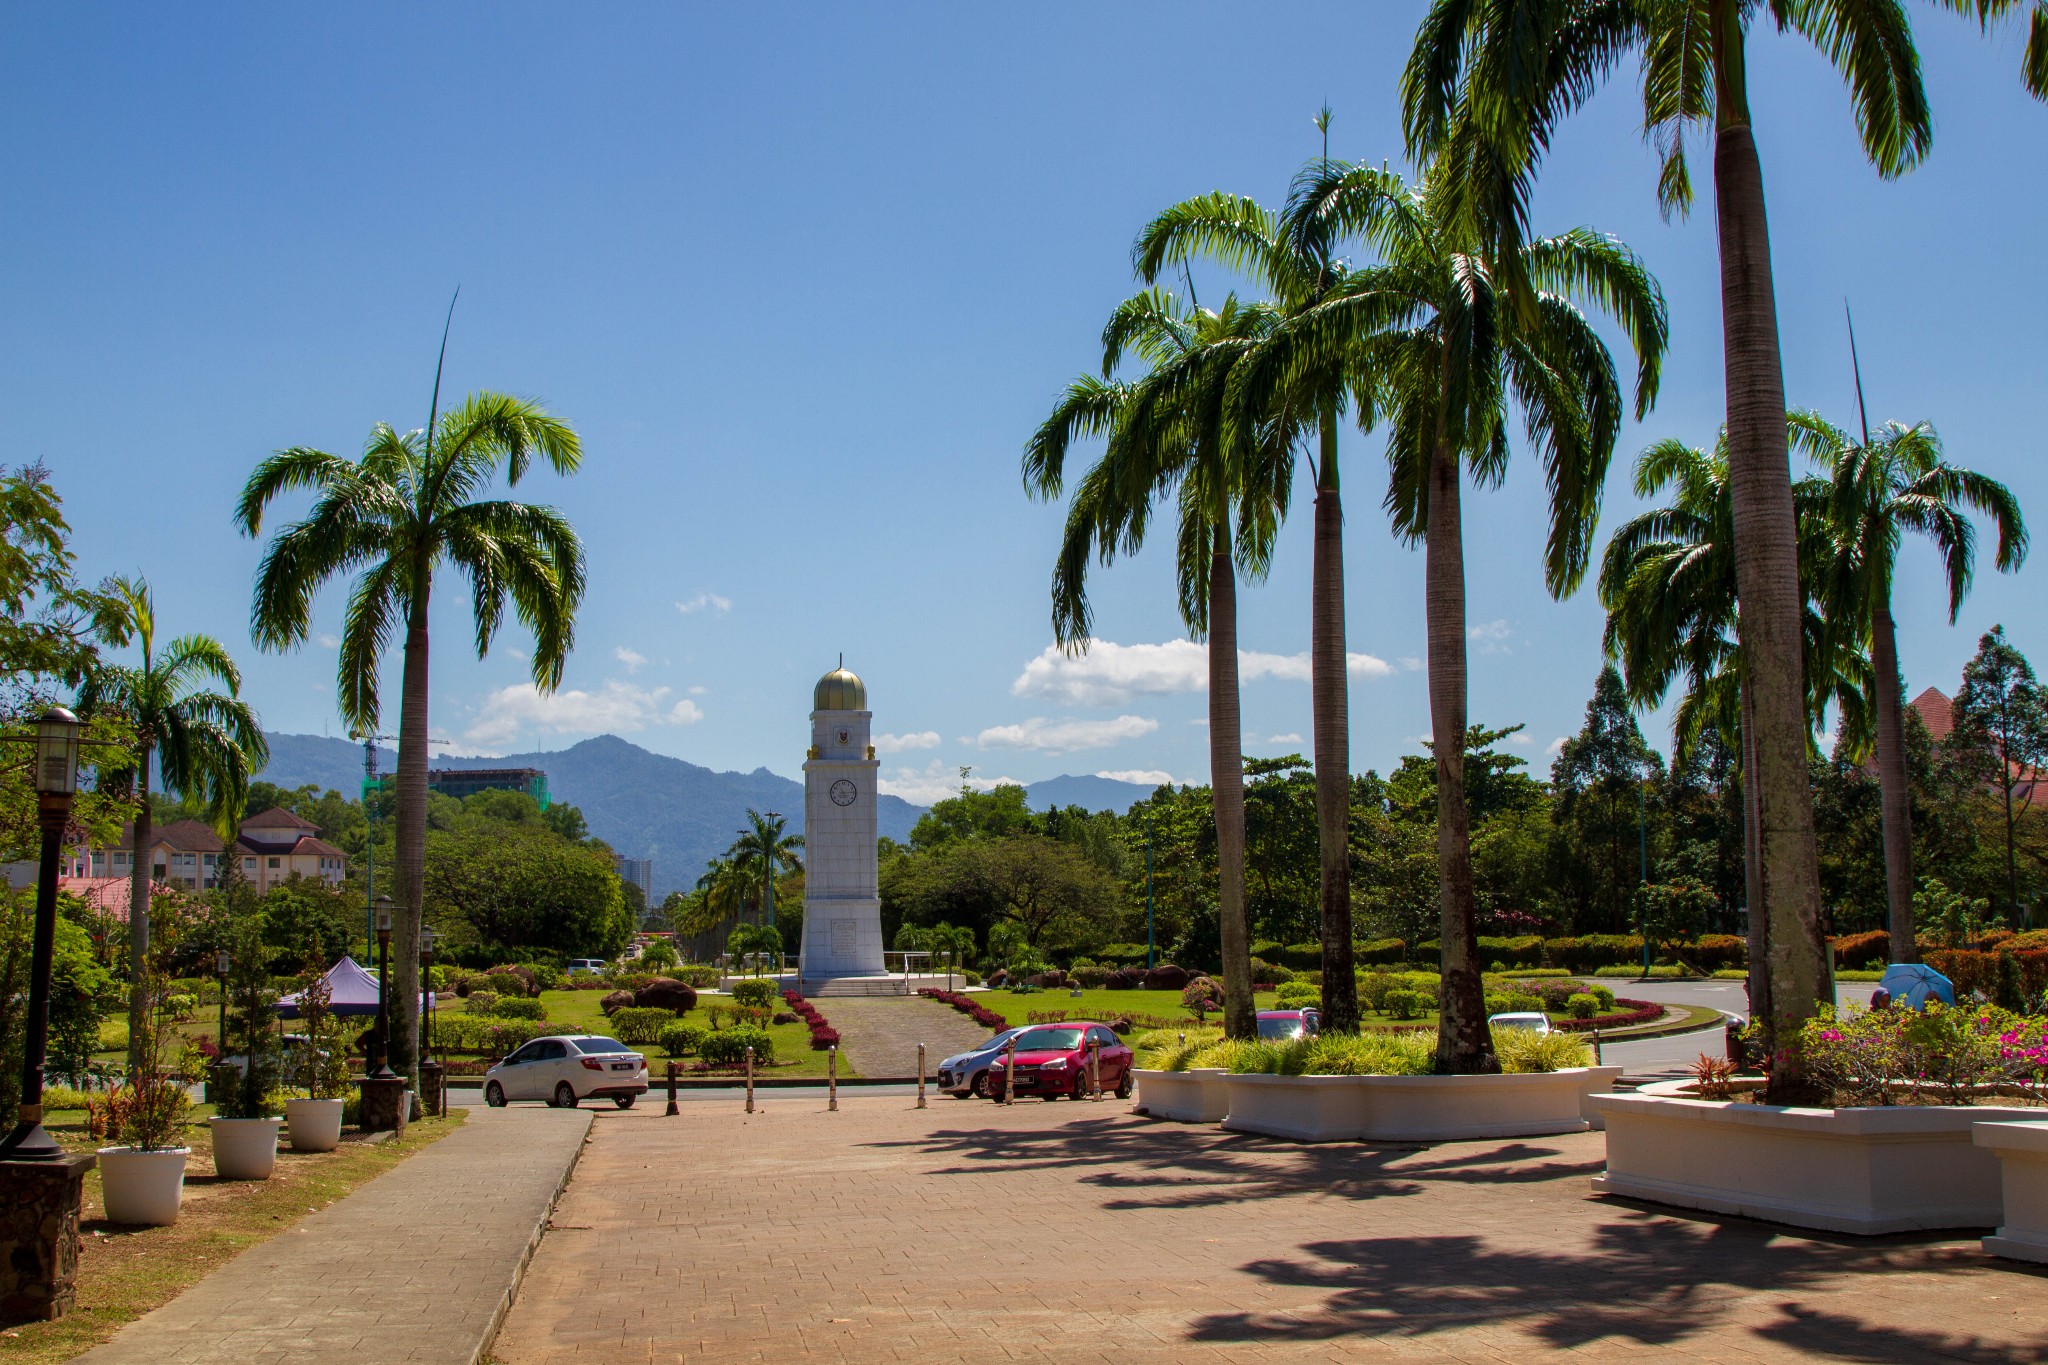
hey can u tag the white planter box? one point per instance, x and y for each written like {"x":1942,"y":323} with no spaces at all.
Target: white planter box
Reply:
{"x":1414,"y":1108}
{"x":314,"y":1125}
{"x":2022,"y":1152}
{"x":144,"y":1187}
{"x":1864,"y":1170}
{"x":1194,"y":1096}
{"x":244,"y":1149}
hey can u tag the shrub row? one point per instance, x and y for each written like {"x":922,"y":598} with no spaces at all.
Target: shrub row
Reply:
{"x":823,"y":1035}
{"x":486,"y":1034}
{"x":1635,"y":1012}
{"x":641,"y":1025}
{"x":985,"y":1017}
{"x":729,"y":1048}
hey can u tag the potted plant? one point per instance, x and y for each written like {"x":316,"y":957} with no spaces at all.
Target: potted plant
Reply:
{"x":143,"y":1173}
{"x":246,"y":1128}
{"x":319,"y":1068}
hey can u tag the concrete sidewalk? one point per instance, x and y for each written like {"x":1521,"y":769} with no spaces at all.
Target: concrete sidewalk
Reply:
{"x":419,"y":1265}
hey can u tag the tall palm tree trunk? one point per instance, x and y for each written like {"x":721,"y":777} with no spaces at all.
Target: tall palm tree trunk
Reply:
{"x":412,"y":842}
{"x":138,"y":916}
{"x":1767,"y":570}
{"x":1753,"y":870}
{"x":1226,"y":778}
{"x":1332,"y":705}
{"x":1464,"y":1045}
{"x":1895,"y":797}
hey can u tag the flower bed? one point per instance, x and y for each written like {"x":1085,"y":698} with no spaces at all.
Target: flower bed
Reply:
{"x":1414,"y":1108}
{"x":823,"y":1035}
{"x":985,"y":1017}
{"x":1638,"y":1012}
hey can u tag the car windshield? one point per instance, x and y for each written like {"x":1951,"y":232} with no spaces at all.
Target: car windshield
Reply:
{"x":1280,"y":1028}
{"x":601,"y":1045}
{"x":1049,"y":1040}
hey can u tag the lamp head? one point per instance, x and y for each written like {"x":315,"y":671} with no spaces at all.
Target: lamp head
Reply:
{"x":221,"y":962}
{"x":57,"y":752}
{"x":383,"y":914}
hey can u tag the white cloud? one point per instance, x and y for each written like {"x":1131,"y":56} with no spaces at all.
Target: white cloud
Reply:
{"x":1147,"y":777}
{"x":1555,"y":746}
{"x":936,"y":781}
{"x":894,"y":744}
{"x":330,"y":642}
{"x":1284,"y":739}
{"x":618,"y":707}
{"x":631,"y":658}
{"x":1064,"y":736}
{"x":699,"y":690}
{"x":1411,"y":663}
{"x":1522,"y":739}
{"x":1491,"y":636}
{"x":1110,"y":674}
{"x":705,"y":601}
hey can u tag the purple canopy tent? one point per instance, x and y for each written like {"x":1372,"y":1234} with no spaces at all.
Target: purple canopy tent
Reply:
{"x":351,"y":990}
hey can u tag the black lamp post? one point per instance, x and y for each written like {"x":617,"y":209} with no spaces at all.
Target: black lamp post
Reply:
{"x":382,"y":1071}
{"x":427,"y":938}
{"x":221,"y":963}
{"x":56,"y":744}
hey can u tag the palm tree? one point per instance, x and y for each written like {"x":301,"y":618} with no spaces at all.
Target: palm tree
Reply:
{"x":393,"y":517}
{"x":1880,"y":490}
{"x":1668,"y":583}
{"x":1488,"y":85}
{"x":204,"y":744}
{"x":1431,"y":323}
{"x":1167,"y":437}
{"x":764,"y":852}
{"x":1291,"y":258}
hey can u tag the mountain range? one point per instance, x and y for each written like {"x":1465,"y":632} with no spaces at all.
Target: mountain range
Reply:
{"x":648,"y":805}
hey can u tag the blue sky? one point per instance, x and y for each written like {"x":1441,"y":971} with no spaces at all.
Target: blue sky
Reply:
{"x":804,"y":278}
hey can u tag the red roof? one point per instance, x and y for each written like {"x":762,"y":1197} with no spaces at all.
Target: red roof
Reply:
{"x":1937,"y":713}
{"x":310,"y":845}
{"x":182,"y":836}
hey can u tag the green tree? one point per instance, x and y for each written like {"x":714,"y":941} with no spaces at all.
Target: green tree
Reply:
{"x":393,"y":517}
{"x":766,"y":850}
{"x":2001,"y":731}
{"x":1454,"y":354}
{"x":1609,"y":760}
{"x":522,"y":888}
{"x":1001,"y":810}
{"x":1489,"y":85}
{"x":1168,"y":437}
{"x":50,"y":624}
{"x":1881,"y":489}
{"x":202,"y":743}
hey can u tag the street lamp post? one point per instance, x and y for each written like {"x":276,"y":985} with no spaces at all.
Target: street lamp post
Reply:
{"x":56,"y":744}
{"x":382,"y":1071}
{"x":427,"y":938}
{"x":221,"y":963}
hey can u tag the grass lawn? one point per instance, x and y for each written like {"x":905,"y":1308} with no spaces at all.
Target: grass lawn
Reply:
{"x":124,"y":1272}
{"x":578,"y":1012}
{"x":1107,"y":1005}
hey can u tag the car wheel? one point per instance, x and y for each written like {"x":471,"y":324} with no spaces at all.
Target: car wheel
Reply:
{"x":565,"y":1096}
{"x":1125,"y":1085}
{"x":623,"y":1101}
{"x":980,"y":1087}
{"x":494,"y":1095}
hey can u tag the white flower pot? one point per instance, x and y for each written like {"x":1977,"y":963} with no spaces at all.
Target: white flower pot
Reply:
{"x":1414,"y":1108}
{"x":2022,"y":1152}
{"x":314,"y":1125}
{"x":244,"y":1149}
{"x":1895,"y":1168}
{"x":1197,"y":1095}
{"x":143,"y":1187}
{"x":1304,"y":1108}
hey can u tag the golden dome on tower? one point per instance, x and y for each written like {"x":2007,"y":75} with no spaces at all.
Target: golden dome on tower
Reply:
{"x":840,"y":690}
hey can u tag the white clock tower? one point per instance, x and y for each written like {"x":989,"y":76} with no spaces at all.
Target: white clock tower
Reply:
{"x":842,"y":905}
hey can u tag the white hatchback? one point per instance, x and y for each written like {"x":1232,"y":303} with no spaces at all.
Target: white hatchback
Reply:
{"x":566,"y":1070}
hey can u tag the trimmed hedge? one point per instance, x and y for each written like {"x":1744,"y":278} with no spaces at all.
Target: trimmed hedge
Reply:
{"x":519,"y":1009}
{"x":755,"y":993}
{"x":729,"y":1048}
{"x":640,"y":1025}
{"x":680,"y":1040}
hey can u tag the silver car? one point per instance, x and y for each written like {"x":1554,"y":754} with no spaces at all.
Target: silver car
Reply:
{"x":966,"y":1073}
{"x":567,"y":1070}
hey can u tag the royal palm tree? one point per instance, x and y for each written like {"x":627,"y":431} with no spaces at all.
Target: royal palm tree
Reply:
{"x":204,"y":744}
{"x":392,"y":517}
{"x":1430,"y":322}
{"x":1167,"y":439}
{"x":1668,"y":583}
{"x":1879,"y":490}
{"x":1488,"y":85}
{"x":763,"y":852}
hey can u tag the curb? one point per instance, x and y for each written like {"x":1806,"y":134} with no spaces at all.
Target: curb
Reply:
{"x":1666,"y":1030}
{"x":540,"y":1227}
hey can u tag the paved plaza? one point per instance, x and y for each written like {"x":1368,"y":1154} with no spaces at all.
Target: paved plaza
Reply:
{"x":1082,"y":1232}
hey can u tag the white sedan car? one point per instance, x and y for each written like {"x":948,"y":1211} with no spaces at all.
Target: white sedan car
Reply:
{"x":1533,"y":1020}
{"x":567,"y":1070}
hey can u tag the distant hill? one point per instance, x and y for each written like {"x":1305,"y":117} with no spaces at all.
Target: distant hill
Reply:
{"x":1089,"y":793}
{"x":644,"y":804}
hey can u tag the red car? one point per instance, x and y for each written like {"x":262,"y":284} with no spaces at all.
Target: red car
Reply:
{"x":1052,"y":1060}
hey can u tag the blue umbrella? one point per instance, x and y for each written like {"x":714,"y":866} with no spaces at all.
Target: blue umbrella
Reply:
{"x":1913,"y":984}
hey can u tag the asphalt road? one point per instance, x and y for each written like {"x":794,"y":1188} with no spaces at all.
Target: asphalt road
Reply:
{"x":1673,"y":1054}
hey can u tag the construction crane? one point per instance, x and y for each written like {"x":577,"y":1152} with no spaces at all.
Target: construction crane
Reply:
{"x":371,"y":782}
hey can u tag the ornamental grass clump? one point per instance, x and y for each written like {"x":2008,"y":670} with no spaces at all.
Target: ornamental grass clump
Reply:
{"x":1411,"y":1052}
{"x":1946,"y":1055}
{"x":1525,"y":1050}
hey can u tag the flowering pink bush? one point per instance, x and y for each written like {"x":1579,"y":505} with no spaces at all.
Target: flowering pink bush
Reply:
{"x":1939,"y":1055}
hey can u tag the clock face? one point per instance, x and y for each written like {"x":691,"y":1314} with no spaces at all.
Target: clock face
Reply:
{"x":843,"y":792}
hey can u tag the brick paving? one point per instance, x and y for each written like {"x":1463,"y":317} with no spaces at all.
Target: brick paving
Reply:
{"x":415,"y":1266}
{"x":880,"y":1035}
{"x":1078,"y":1232}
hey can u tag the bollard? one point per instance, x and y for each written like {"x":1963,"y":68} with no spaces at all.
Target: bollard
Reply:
{"x":1010,"y":1072}
{"x":832,"y":1078}
{"x":920,"y":1075}
{"x":672,"y":1110}
{"x":1596,"y":1045}
{"x":750,"y":1080}
{"x":1183,"y":1039}
{"x":1094,"y":1069}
